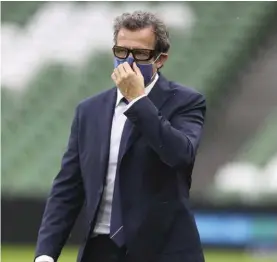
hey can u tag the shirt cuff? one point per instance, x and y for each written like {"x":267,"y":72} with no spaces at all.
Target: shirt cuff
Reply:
{"x":44,"y":259}
{"x":134,"y":101}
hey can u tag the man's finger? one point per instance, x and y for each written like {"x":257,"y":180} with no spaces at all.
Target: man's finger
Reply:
{"x":117,"y":73}
{"x":121,"y":71}
{"x":113,"y":76}
{"x":136,"y":69}
{"x":128,"y":68}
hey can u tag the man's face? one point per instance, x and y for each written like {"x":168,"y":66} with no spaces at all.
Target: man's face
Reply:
{"x":141,"y":39}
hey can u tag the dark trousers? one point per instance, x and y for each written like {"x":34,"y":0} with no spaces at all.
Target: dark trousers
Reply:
{"x":102,"y":249}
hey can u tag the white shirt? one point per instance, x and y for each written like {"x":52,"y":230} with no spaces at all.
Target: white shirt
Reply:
{"x":102,"y":225}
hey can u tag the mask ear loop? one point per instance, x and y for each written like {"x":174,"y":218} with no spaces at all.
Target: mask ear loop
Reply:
{"x":158,"y":58}
{"x":153,"y":64}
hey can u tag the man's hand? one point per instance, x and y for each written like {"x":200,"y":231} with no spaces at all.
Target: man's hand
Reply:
{"x":129,"y":81}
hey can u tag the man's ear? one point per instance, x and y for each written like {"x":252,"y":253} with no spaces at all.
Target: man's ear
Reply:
{"x":161,"y":60}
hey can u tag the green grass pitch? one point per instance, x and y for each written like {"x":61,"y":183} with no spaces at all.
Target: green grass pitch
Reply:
{"x":25,"y":254}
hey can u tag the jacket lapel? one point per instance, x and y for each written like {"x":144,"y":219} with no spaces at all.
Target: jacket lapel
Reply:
{"x":105,"y":125}
{"x":160,"y":92}
{"x":158,"y":95}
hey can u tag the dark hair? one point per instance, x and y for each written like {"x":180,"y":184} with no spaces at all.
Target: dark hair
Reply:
{"x":140,"y":20}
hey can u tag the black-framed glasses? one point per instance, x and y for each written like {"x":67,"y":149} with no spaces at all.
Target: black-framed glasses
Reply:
{"x":138,"y":54}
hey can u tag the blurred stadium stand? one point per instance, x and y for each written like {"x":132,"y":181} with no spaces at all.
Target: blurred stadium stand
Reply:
{"x":56,"y":54}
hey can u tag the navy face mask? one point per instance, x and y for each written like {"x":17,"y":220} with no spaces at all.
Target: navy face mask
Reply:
{"x":146,"y":69}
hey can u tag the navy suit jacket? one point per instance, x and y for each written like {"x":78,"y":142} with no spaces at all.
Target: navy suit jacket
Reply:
{"x":156,"y":158}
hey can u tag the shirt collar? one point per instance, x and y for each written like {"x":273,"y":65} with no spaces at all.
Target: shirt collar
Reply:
{"x":147,"y":89}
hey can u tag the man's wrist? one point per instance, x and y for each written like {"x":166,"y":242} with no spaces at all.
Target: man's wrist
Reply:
{"x":135,"y":100}
{"x":130,"y":99}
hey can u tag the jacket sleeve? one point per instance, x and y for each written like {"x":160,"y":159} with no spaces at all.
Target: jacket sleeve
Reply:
{"x":175,"y":141}
{"x":64,"y":202}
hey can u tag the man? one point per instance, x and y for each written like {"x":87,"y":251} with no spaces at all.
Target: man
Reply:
{"x":129,"y":160}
